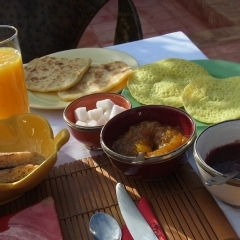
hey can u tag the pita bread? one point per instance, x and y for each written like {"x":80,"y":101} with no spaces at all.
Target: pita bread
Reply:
{"x":99,"y":78}
{"x":55,"y":74}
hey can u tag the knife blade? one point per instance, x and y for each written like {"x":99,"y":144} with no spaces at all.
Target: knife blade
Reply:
{"x":136,"y":223}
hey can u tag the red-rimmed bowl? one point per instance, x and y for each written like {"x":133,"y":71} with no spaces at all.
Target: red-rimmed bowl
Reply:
{"x":90,"y":136}
{"x":155,"y":167}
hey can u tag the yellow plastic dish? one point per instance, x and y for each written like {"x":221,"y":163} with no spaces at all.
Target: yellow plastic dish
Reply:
{"x":29,"y":132}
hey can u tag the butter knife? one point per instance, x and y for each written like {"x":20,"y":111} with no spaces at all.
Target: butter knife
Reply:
{"x":136,"y":223}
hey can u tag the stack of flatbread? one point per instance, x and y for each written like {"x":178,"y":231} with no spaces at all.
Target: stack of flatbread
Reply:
{"x":163,"y":82}
{"x":16,"y":165}
{"x":183,"y":83}
{"x":73,"y":78}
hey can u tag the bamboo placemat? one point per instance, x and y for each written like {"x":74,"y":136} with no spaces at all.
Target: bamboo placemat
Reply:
{"x":183,"y":206}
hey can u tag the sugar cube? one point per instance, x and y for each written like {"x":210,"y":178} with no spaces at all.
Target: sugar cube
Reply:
{"x":107,"y":113}
{"x":81,"y":123}
{"x":92,"y":123}
{"x":102,"y":121}
{"x":105,"y":104}
{"x":116,"y":110}
{"x":81,"y":114}
{"x":95,"y":113}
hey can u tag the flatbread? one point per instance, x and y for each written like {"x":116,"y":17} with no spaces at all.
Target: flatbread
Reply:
{"x":15,"y":174}
{"x":97,"y":79}
{"x":163,"y":82}
{"x":212,"y":100}
{"x":14,"y":159}
{"x":55,"y":74}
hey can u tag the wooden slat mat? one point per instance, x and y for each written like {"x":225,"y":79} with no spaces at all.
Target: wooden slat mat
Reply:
{"x":183,"y":206}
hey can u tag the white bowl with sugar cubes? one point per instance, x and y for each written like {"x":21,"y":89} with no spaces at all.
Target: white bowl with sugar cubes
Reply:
{"x":87,"y":115}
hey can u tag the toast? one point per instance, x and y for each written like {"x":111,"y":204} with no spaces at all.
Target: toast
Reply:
{"x":15,"y":174}
{"x":14,"y":159}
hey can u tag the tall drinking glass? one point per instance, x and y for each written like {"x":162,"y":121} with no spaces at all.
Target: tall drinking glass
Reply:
{"x":13,"y":92}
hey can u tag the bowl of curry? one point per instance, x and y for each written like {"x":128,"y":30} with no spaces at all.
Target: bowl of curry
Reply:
{"x":149,"y":142}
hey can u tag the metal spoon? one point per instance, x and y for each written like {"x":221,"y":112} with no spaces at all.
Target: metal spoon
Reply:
{"x":218,"y":180}
{"x":102,"y":226}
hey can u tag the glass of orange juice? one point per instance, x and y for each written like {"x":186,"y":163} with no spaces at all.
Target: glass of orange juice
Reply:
{"x":13,"y":92}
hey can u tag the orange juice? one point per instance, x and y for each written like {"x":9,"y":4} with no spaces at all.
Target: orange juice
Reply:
{"x":13,"y":92}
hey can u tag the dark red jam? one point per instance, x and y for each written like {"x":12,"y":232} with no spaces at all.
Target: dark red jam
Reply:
{"x":226,"y":158}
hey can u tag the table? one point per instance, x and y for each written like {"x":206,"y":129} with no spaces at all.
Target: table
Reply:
{"x":145,"y":51}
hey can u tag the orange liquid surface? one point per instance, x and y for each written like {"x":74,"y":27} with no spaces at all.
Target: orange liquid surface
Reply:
{"x":13,"y":92}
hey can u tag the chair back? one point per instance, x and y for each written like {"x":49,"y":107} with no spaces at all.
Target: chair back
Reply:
{"x":128,"y":26}
{"x":48,"y":26}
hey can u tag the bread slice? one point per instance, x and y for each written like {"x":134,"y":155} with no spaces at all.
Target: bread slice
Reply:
{"x":54,"y":74}
{"x":14,"y":159}
{"x":15,"y":174}
{"x":97,"y":79}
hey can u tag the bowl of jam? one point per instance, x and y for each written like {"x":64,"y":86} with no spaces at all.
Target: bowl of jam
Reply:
{"x":217,"y":152}
{"x":149,"y":142}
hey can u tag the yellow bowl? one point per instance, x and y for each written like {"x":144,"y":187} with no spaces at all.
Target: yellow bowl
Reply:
{"x":29,"y":132}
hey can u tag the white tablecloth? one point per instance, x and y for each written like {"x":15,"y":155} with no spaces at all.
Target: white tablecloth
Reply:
{"x":145,"y":51}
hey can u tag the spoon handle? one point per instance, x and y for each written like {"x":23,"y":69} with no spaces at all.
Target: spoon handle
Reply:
{"x":218,"y":180}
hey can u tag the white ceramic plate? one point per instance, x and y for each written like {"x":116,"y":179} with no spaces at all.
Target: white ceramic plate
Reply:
{"x":98,"y":56}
